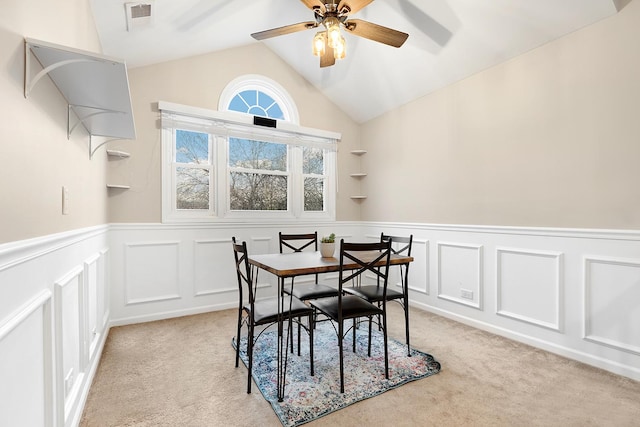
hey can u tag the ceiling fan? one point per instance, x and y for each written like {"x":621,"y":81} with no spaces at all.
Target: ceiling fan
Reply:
{"x":329,"y":44}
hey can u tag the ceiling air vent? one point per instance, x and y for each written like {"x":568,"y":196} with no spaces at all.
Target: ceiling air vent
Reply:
{"x":138,"y":15}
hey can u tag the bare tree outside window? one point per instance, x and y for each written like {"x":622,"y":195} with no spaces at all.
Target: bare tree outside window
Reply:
{"x":313,"y":172}
{"x":258,"y":179}
{"x":192,"y":170}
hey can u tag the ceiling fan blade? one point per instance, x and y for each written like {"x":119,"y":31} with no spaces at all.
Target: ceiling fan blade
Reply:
{"x":353,"y":5}
{"x":311,"y":4}
{"x":376,"y":32}
{"x":327,"y":60}
{"x":287,"y":29}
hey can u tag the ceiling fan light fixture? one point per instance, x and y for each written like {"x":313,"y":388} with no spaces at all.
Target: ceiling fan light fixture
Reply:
{"x":319,"y":43}
{"x":333,"y":31}
{"x":340,"y":51}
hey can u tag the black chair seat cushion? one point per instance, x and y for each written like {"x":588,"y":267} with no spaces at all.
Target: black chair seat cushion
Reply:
{"x":309,"y":291}
{"x":373,"y":293}
{"x":266,"y":310}
{"x":352,"y":306}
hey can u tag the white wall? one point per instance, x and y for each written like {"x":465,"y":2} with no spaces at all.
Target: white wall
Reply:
{"x":547,"y":139}
{"x":54,"y":313}
{"x":569,"y":291}
{"x":36,"y":157}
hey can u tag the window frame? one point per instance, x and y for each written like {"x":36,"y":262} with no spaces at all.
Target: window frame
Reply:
{"x":224,"y":124}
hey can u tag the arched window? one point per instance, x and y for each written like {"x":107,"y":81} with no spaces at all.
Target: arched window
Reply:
{"x":223,"y":165}
{"x":259,"y":96}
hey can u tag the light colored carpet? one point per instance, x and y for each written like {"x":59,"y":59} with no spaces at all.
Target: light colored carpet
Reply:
{"x":180,"y":372}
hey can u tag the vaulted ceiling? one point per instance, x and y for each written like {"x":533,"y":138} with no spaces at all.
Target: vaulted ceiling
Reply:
{"x":448,"y":40}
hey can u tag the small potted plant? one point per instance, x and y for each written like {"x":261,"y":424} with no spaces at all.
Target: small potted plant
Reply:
{"x":328,"y":246}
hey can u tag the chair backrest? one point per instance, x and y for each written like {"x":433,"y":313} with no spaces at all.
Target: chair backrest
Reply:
{"x":404,"y":248}
{"x":405,"y":243}
{"x":243,"y":271}
{"x":367,"y":257}
{"x":298,"y":242}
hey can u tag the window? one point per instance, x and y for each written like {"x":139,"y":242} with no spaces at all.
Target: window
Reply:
{"x":219,"y":165}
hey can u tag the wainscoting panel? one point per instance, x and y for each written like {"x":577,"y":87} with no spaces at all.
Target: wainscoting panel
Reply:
{"x":71,"y":351}
{"x":460,"y":273}
{"x":53,"y":325}
{"x":26,"y":394}
{"x":152,"y":272}
{"x":566,"y":291}
{"x":419,"y":269}
{"x":529,"y":286}
{"x":94,"y":303}
{"x":612,"y":302}
{"x":210,"y":279}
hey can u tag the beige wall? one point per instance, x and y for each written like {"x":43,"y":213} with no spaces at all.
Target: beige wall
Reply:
{"x":36,"y":157}
{"x":198,"y":81}
{"x":550,"y":138}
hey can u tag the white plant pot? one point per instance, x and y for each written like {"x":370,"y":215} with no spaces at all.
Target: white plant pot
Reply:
{"x":327,"y":249}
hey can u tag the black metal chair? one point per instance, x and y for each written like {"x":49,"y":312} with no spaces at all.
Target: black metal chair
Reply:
{"x":304,"y":291}
{"x":355,"y":261}
{"x":262,"y":312}
{"x":375,"y":293}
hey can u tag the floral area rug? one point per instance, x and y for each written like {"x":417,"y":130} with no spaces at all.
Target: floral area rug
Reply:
{"x":308,"y":398}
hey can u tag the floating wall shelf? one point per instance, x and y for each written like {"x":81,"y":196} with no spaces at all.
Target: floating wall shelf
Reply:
{"x":96,"y":89}
{"x":118,"y":153}
{"x":118,"y":186}
{"x":358,"y":175}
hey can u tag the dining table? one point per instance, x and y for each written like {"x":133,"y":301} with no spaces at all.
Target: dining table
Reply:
{"x":294,"y":264}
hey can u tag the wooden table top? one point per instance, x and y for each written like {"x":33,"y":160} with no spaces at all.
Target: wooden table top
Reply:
{"x":303,"y":263}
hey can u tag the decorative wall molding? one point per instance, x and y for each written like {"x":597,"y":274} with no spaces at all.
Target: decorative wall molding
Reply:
{"x":70,"y":341}
{"x":420,"y":283}
{"x":206,"y":275}
{"x":32,"y":388}
{"x":13,"y":254}
{"x":591,"y":277}
{"x":460,"y":270}
{"x":529,"y":286}
{"x":152,"y":271}
{"x":45,"y":311}
{"x":611,"y":302}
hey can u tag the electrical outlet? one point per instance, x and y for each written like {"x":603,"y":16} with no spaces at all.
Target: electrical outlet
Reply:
{"x":466,"y":294}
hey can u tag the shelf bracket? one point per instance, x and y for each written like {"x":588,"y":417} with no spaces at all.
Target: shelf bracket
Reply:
{"x":97,"y":141}
{"x":30,"y":82}
{"x":82,"y":118}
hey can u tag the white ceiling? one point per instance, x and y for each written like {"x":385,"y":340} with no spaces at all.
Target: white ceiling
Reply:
{"x":448,"y":40}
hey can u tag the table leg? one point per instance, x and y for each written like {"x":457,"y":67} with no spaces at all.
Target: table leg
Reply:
{"x":280,"y":370}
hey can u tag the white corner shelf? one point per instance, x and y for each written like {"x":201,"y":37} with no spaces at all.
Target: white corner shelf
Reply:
{"x":358,"y":175}
{"x":96,"y":88}
{"x":118,"y":154}
{"x":118,"y":186}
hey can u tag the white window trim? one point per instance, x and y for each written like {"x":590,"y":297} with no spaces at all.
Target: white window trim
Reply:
{"x":222,"y":123}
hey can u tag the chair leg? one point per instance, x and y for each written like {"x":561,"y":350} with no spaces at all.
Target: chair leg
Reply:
{"x":354,"y":334}
{"x":386,"y":346}
{"x":299,"y":327}
{"x":369,"y":345}
{"x":238,"y":338}
{"x":250,"y":356}
{"x":340,"y":332}
{"x":406,"y":325}
{"x":311,"y":326}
